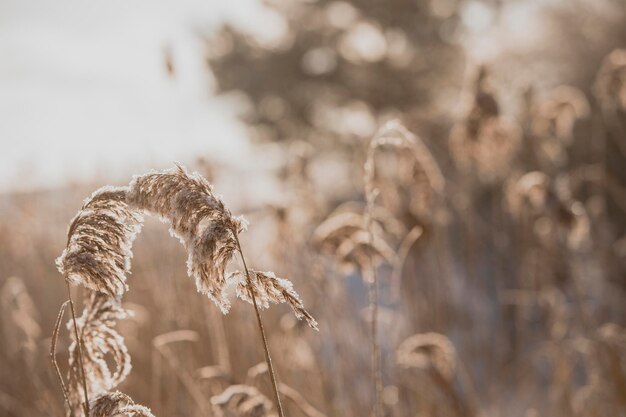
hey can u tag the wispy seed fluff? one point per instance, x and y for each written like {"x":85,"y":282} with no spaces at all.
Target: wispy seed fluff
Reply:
{"x":117,"y":404}
{"x":100,"y":340}
{"x":198,"y":218}
{"x":99,"y":242}
{"x":268,"y":288}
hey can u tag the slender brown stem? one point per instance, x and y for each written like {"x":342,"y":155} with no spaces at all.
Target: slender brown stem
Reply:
{"x":53,"y":354}
{"x":373,"y":294}
{"x":268,"y":358}
{"x":80,"y":348}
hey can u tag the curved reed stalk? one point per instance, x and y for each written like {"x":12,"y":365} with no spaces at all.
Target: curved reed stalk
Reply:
{"x":160,"y":344}
{"x":241,"y":400}
{"x":304,"y":406}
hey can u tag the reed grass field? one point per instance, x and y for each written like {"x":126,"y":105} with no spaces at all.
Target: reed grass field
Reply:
{"x":420,"y":228}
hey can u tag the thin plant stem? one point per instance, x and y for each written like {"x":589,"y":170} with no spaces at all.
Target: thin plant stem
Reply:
{"x":53,"y":354}
{"x":268,"y":358}
{"x":373,"y":294}
{"x":80,"y":349}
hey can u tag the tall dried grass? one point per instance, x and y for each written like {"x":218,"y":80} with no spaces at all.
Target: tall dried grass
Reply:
{"x":98,"y":255}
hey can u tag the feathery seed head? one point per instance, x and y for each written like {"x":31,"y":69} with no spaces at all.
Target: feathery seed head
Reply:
{"x":99,"y":242}
{"x":100,"y":340}
{"x":198,"y":217}
{"x":268,"y":288}
{"x":117,"y":404}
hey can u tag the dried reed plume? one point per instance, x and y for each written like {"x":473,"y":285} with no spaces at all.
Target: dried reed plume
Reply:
{"x":241,"y":401}
{"x":198,"y":218}
{"x":557,"y":114}
{"x":434,"y":355}
{"x":428,"y":351}
{"x":268,"y":289}
{"x":548,"y":203}
{"x":418,"y":186}
{"x":117,"y":404}
{"x":99,"y":242}
{"x":206,"y":228}
{"x":396,"y":135}
{"x":344,"y":236}
{"x":98,"y":256}
{"x":99,"y":339}
{"x":553,"y":122}
{"x":484,"y":142}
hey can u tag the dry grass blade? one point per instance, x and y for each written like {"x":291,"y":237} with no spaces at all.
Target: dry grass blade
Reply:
{"x":176,"y":336}
{"x":403,"y":252}
{"x":80,"y":359}
{"x":304,"y":406}
{"x":53,"y":352}
{"x":161,"y":344}
{"x":297,"y":398}
{"x":211,"y":372}
{"x":241,"y":401}
{"x":19,"y":313}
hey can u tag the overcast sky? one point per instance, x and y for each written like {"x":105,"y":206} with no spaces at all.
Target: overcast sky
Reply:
{"x":84,"y":91}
